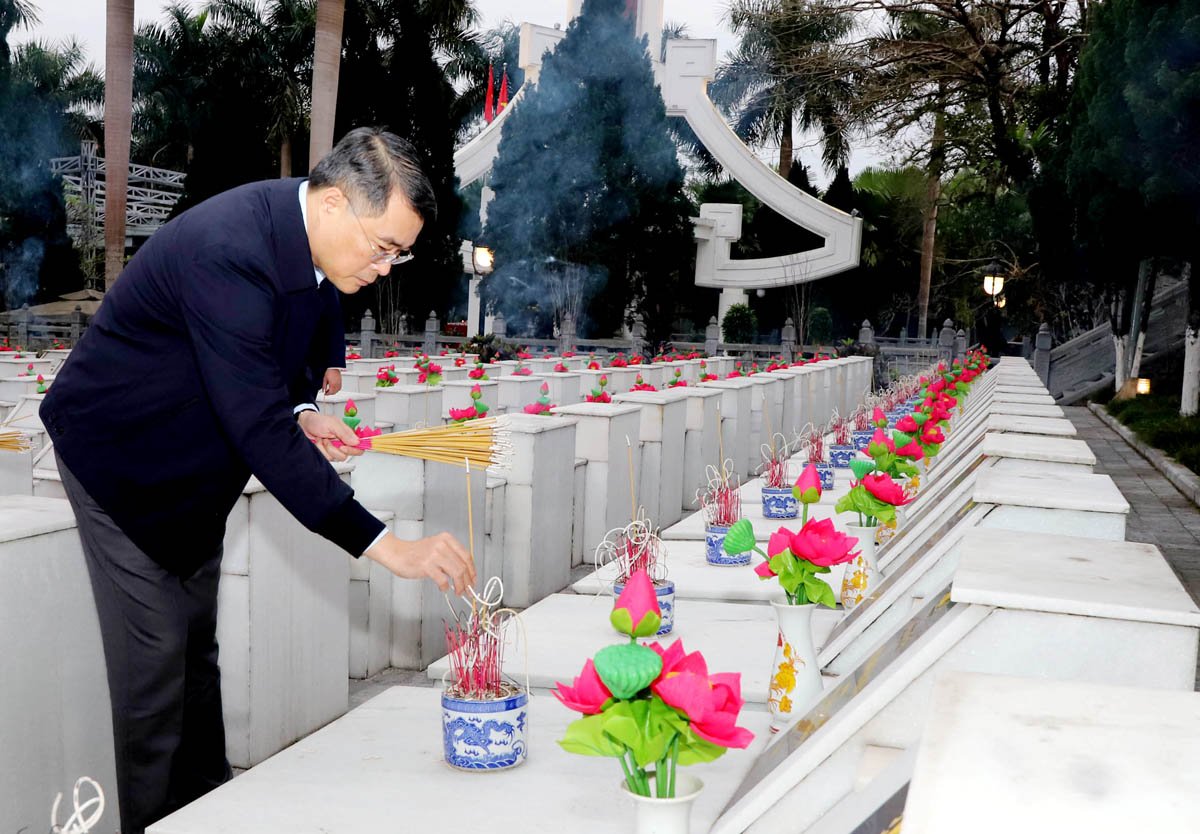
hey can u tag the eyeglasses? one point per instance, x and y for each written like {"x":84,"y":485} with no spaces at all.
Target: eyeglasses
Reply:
{"x":380,"y":256}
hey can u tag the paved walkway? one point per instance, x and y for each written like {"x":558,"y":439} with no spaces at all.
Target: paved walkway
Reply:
{"x":1158,"y":513}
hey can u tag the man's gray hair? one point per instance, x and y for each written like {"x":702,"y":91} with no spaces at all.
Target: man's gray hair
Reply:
{"x":369,"y":164}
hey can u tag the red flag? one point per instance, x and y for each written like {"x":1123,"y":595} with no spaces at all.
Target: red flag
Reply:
{"x":489,"y":110}
{"x":503,"y":91}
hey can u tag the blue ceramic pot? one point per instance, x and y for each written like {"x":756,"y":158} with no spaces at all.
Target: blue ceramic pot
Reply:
{"x":484,"y":735}
{"x":714,"y":548}
{"x":825,"y":472}
{"x":665,"y":593}
{"x":840,"y":456}
{"x":778,"y":502}
{"x":862,"y":439}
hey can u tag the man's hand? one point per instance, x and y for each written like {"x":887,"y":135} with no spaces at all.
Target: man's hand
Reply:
{"x":333,"y":381}
{"x":323,"y":430}
{"x":440,"y":558}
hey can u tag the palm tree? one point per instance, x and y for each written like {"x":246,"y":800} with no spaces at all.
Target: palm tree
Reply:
{"x":172,"y":71}
{"x":14,"y":14}
{"x":759,"y":86}
{"x":61,"y":76}
{"x":278,"y":43}
{"x":327,"y":59}
{"x":118,"y":118}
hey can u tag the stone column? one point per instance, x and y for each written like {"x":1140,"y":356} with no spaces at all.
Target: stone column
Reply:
{"x":538,"y":508}
{"x":1042,"y":344}
{"x":660,"y":485}
{"x":712,"y":336}
{"x":474,"y":305}
{"x":366,"y":338}
{"x":431,"y":333}
{"x":601,"y":432}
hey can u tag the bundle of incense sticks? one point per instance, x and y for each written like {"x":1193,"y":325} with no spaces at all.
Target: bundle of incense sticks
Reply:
{"x":720,"y":500}
{"x":484,"y":442}
{"x":816,"y":447}
{"x":840,"y":428}
{"x":861,"y":419}
{"x":476,"y":653}
{"x":14,"y":441}
{"x":634,"y":547}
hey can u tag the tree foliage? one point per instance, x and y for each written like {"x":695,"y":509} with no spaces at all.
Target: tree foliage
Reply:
{"x":589,"y":192}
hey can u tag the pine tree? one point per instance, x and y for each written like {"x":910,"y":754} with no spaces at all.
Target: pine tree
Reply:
{"x":587,"y":183}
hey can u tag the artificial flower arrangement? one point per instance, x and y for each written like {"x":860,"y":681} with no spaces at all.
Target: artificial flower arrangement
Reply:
{"x":428,"y":371}
{"x":705,"y":376}
{"x":652,"y":709}
{"x":459,"y":361}
{"x":637,"y":359}
{"x":592,"y":364}
{"x":560,"y":368}
{"x":478,"y":372}
{"x":543,"y":405}
{"x":351,"y":353}
{"x":798,"y":558}
{"x":524,"y":354}
{"x":386,"y":377}
{"x":476,"y":410}
{"x":600,"y":395}
{"x":874,"y":497}
{"x":777,"y":363}
{"x":350,"y":418}
{"x":568,"y":354}
{"x":521,"y":370}
{"x":677,"y":380}
{"x":619,"y":361}
{"x":28,"y":368}
{"x":42,"y":387}
{"x":392,"y":352}
{"x":640,"y":384}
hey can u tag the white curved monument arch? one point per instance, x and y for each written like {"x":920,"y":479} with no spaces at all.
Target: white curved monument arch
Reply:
{"x":683,"y":79}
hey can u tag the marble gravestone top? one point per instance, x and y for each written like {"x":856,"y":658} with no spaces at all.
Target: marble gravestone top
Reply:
{"x":1044,"y":757}
{"x":380,"y":767}
{"x":24,"y":516}
{"x":1037,"y":447}
{"x":1054,"y":426}
{"x":564,"y":630}
{"x":1070,"y":575}
{"x":1088,"y":493}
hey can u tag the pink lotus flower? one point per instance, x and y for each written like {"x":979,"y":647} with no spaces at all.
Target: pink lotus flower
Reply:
{"x":879,"y":418}
{"x":912,"y":450}
{"x":367,"y":431}
{"x":560,"y":368}
{"x":476,"y":373}
{"x":819,"y":542}
{"x":711,"y":702}
{"x":522,"y":372}
{"x":807,"y":489}
{"x":545,"y":389}
{"x":932,"y":436}
{"x":885,"y":489}
{"x":588,"y":694}
{"x":434,"y":368}
{"x":459,"y":362}
{"x":461,"y":414}
{"x":476,"y":391}
{"x":593,"y":365}
{"x":764,"y":571}
{"x":351,"y":409}
{"x":907,"y":424}
{"x":350,"y":355}
{"x":780,"y":541}
{"x":523,"y":355}
{"x":636,"y":612}
{"x":537,"y":408}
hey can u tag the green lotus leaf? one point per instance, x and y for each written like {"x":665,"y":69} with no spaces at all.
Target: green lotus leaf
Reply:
{"x":627,"y":669}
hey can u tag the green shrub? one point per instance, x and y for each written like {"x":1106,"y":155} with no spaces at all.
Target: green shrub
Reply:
{"x":740,"y":325}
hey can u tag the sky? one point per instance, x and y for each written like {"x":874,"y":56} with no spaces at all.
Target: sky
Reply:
{"x":84,"y":20}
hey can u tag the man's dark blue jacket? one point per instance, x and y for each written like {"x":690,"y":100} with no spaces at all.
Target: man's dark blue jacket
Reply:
{"x":184,"y":383}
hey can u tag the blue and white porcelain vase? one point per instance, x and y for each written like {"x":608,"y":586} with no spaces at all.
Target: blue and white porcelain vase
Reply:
{"x":779,"y":502}
{"x":664,"y":592}
{"x":714,"y":548}
{"x":862,"y":439}
{"x":485,"y":735}
{"x":825,"y":473}
{"x":840,"y":456}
